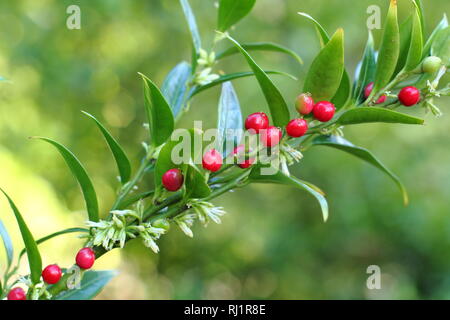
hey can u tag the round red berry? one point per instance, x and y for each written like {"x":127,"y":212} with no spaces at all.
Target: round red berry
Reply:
{"x":368,"y":91}
{"x":324,"y":111}
{"x":409,"y":96}
{"x":51,"y":274}
{"x":85,"y":258}
{"x":271,"y":136}
{"x":17,"y":294}
{"x":256,"y":122}
{"x":304,"y":103}
{"x":246,"y":162}
{"x":172,"y":179}
{"x":297,"y":128}
{"x":212,"y":160}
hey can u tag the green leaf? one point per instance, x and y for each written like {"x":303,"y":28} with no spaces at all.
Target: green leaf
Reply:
{"x":405,"y":30}
{"x":82,"y":177}
{"x":233,"y":76}
{"x":160,"y":117}
{"x":34,"y":257}
{"x":419,"y":5}
{"x":389,"y":50}
{"x":260,"y":46}
{"x":416,"y":45}
{"x":441,"y":46}
{"x":175,"y":86}
{"x":122,"y":162}
{"x":229,"y":122}
{"x":325,"y":74}
{"x":364,"y":154}
{"x":192,"y":24}
{"x":323,"y":35}
{"x":343,"y":93}
{"x":164,"y":161}
{"x":55,"y":234}
{"x":441,"y":25}
{"x":7,"y":243}
{"x":196,"y":183}
{"x":231,"y":11}
{"x":366,"y":71}
{"x":375,"y":114}
{"x":277,"y":105}
{"x":280,"y":178}
{"x":91,"y":285}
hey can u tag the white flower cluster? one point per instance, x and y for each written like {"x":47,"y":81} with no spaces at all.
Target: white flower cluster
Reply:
{"x":206,"y":61}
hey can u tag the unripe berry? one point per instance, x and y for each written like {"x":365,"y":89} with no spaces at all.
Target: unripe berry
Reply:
{"x":271,"y":136}
{"x":368,"y":91}
{"x":304,"y":103}
{"x":257,"y":121}
{"x":431,"y":64}
{"x":51,"y":274}
{"x":17,"y":294}
{"x":409,"y":96}
{"x":247,"y":162}
{"x":324,"y":111}
{"x":297,"y":128}
{"x":85,"y":258}
{"x":172,"y":179}
{"x":212,"y":160}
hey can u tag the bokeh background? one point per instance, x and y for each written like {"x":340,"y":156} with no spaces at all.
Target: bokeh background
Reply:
{"x":273,"y":243}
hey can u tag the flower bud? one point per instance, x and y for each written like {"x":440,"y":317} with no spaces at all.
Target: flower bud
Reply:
{"x":431,"y":64}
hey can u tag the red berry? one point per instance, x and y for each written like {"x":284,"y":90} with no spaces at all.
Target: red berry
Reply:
{"x":324,"y":111}
{"x":304,"y":103}
{"x":297,"y":128}
{"x":409,"y":96}
{"x":212,"y":160}
{"x":271,"y":136}
{"x":51,"y":274}
{"x":369,"y":89}
{"x":244,"y":163}
{"x":257,"y":121}
{"x":17,"y":294}
{"x":85,"y":258}
{"x":172,"y":179}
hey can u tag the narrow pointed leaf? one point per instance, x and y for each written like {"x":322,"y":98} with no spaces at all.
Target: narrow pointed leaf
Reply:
{"x":196,"y":183}
{"x":229,"y":122}
{"x":416,"y":44}
{"x":281,"y":178}
{"x":175,"y":85}
{"x":323,"y":35}
{"x":277,"y":105}
{"x":343,"y":93}
{"x":325,"y":74}
{"x":122,"y":162}
{"x":159,"y":114}
{"x":367,"y":71}
{"x":260,"y":46}
{"x":405,"y":30}
{"x":82,"y":177}
{"x":90,"y":286}
{"x":441,"y":46}
{"x":231,"y":11}
{"x":7,"y":243}
{"x":419,"y":5}
{"x":34,"y":257}
{"x":375,"y":114}
{"x":363,"y":154}
{"x":192,"y":24}
{"x":441,"y":25}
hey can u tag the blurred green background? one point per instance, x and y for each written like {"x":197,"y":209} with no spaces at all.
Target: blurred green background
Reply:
{"x":273,"y":243}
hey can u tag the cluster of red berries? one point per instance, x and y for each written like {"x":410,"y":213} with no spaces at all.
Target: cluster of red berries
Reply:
{"x":52,"y":273}
{"x":408,"y":96}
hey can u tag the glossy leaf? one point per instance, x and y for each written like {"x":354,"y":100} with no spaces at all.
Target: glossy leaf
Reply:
{"x":164,"y":161}
{"x":229,"y":122}
{"x":405,"y":30}
{"x":192,"y":24}
{"x":55,"y":234}
{"x":280,"y":178}
{"x":441,"y":25}
{"x":277,"y":105}
{"x":175,"y":86}
{"x":389,"y":49}
{"x":260,"y":46}
{"x":375,"y":114}
{"x":233,"y":76}
{"x":82,"y":177}
{"x":231,"y":11}
{"x":323,"y":35}
{"x":34,"y":257}
{"x":91,"y":285}
{"x":441,"y":46}
{"x":122,"y":162}
{"x":366,"y":71}
{"x":7,"y":243}
{"x":416,"y":45}
{"x":159,"y":114}
{"x":343,"y":93}
{"x":419,"y":5}
{"x":196,"y":183}
{"x":325,"y":74}
{"x":361,"y":153}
